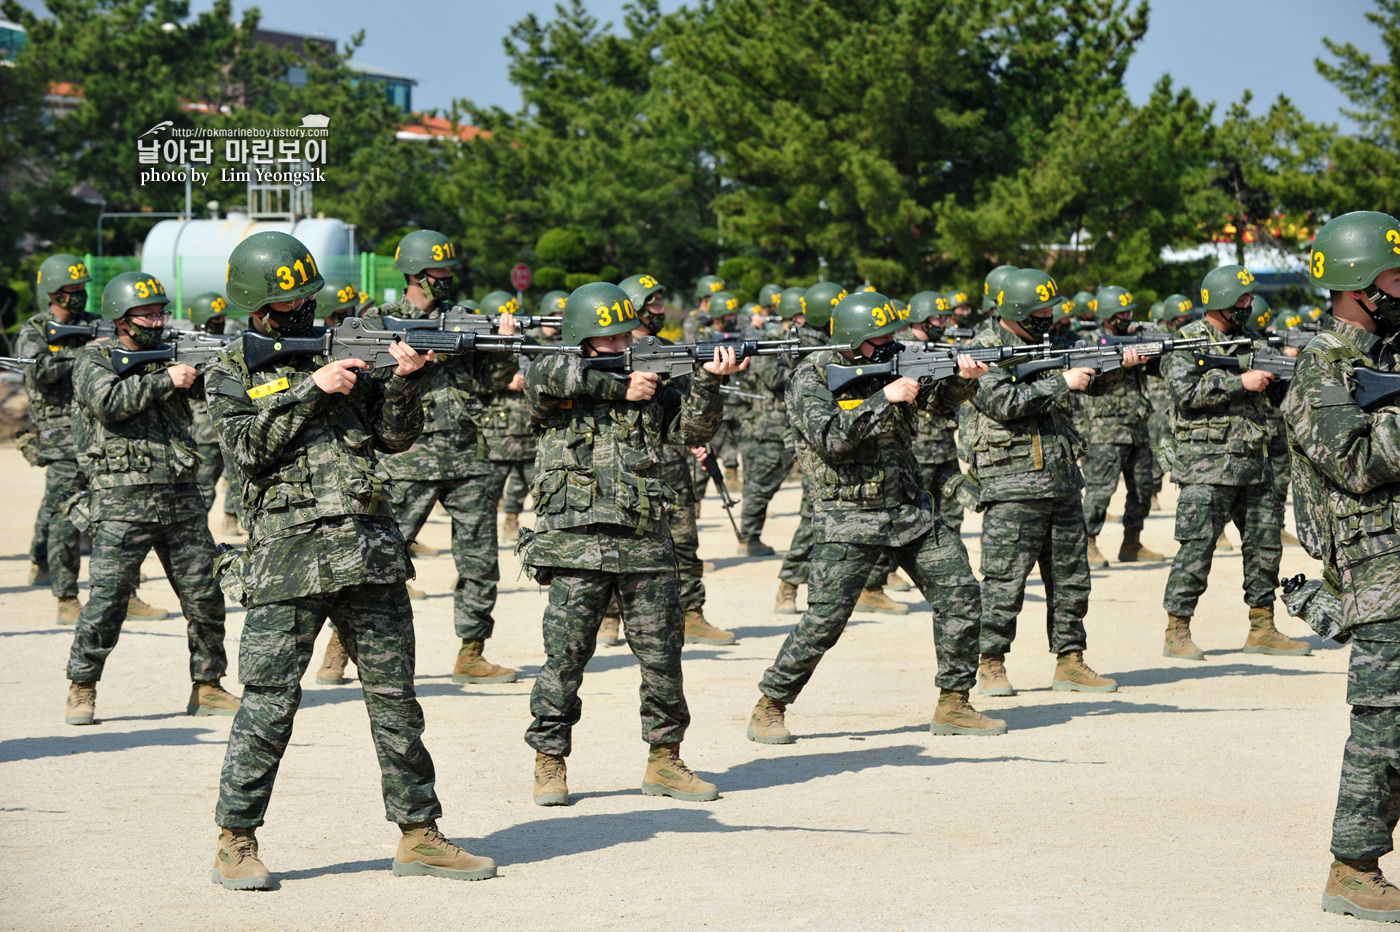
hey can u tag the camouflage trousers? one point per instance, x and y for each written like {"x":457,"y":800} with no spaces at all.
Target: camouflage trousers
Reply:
{"x":796,"y":566}
{"x":186,"y":551}
{"x":1016,"y":537}
{"x":947,"y":506}
{"x":655,"y":633}
{"x":1103,"y":465}
{"x":209,"y":466}
{"x":1159,"y":431}
{"x":766,"y":465}
{"x":1368,"y":797}
{"x":725,"y":445}
{"x":685,"y":538}
{"x":938,"y":565}
{"x":512,"y":480}
{"x":1202,"y":511}
{"x":1280,"y":460}
{"x":55,"y":543}
{"x":375,"y":624}
{"x":471,"y":502}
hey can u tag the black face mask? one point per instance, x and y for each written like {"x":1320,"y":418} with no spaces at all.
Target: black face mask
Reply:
{"x":934,"y":333}
{"x":1117,"y":328}
{"x":72,"y":302}
{"x":1387,"y":312}
{"x":886,"y":351}
{"x":1038,"y":327}
{"x":441,"y":289}
{"x":144,"y":337}
{"x":727,"y":324}
{"x":215,"y":325}
{"x":294,"y":322}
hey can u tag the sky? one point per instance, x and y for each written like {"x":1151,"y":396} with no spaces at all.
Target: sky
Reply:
{"x":1218,"y":48}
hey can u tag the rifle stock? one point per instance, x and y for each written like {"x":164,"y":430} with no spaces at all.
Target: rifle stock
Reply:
{"x":925,"y":362}
{"x":1376,"y":389}
{"x":1281,"y":366}
{"x":190,"y":347}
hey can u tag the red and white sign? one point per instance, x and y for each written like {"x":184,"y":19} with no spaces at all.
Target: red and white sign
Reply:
{"x":520,"y":277}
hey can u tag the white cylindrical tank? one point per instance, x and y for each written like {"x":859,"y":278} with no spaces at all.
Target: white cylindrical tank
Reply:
{"x":190,"y":257}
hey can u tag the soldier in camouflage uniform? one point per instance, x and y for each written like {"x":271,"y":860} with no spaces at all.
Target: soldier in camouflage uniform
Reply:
{"x":767,"y":459}
{"x":707,"y":285}
{"x":1024,"y":455}
{"x":935,"y":438}
{"x":341,"y":299}
{"x":1279,"y":457}
{"x":552,"y":304}
{"x":209,"y":312}
{"x":808,"y":315}
{"x":1346,"y":499}
{"x":723,"y":310}
{"x":323,"y":544}
{"x":449,"y":464}
{"x":61,"y":292}
{"x":1220,"y":460}
{"x":1170,"y":315}
{"x":870,"y":501}
{"x":1117,"y":423}
{"x":602,"y":532}
{"x":510,"y":440}
{"x":136,"y":446}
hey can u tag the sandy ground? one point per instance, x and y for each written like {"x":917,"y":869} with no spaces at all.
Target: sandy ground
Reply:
{"x":1200,"y":794}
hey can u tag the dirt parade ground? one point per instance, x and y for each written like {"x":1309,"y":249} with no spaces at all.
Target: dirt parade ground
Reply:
{"x":1199,"y":795}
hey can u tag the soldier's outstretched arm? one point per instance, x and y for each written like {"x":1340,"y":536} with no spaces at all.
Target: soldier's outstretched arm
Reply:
{"x":944,"y":396}
{"x":51,"y":368}
{"x":552,"y":380}
{"x":396,"y":411}
{"x":1104,"y":382}
{"x":701,"y":411}
{"x":832,"y":430}
{"x":1356,"y":450}
{"x":113,"y":399}
{"x":1200,"y":391}
{"x":999,"y":397}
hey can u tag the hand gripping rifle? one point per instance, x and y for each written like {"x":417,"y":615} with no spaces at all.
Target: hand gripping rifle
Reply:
{"x":727,"y":501}
{"x":925,"y":362}
{"x":189,"y":346}
{"x":1264,"y":360}
{"x":1105,"y":358}
{"x":460,"y":319}
{"x":652,"y":354}
{"x":351,"y":339}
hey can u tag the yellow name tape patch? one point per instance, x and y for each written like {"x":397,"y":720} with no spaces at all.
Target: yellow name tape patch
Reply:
{"x":851,"y":403}
{"x":269,"y":388}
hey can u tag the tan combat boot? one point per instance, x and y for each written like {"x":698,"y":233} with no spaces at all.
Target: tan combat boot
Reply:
{"x":137,"y":608}
{"x":211,"y":699}
{"x":1358,"y":888}
{"x":731,"y":479}
{"x":875,"y":600}
{"x":1222,"y":542}
{"x":610,"y":631}
{"x":1178,"y":644}
{"x":991,"y":676}
{"x":755,"y":548}
{"x":422,"y":550}
{"x":1133,"y":551}
{"x":1287,"y":538}
{"x":230,"y":526}
{"x":510,"y":528}
{"x":426,"y":852}
{"x":38,"y":575}
{"x":956,"y":716}
{"x":1156,"y":504}
{"x":68,"y":611}
{"x":332,"y":672}
{"x":786,"y":602}
{"x":82,"y":703}
{"x":551,"y":780}
{"x":766,"y":725}
{"x":472,"y":667}
{"x":667,"y":775}
{"x":700,"y":631}
{"x":236,"y":862}
{"x":1072,"y":674}
{"x":1097,"y":561}
{"x":1264,"y":638}
{"x":414,"y":592}
{"x":897,"y":583}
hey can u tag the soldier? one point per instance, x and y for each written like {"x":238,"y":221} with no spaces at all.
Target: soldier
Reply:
{"x":704,"y":288}
{"x":1025,"y":454}
{"x":767,"y":459}
{"x":1171,"y":314}
{"x":448,"y":464}
{"x":136,"y":446}
{"x":343,"y":299}
{"x":1346,"y":493}
{"x":1221,"y":430}
{"x":601,"y":533}
{"x":209,"y":313}
{"x":935,"y":436}
{"x":724,"y":310}
{"x":1263,"y":317}
{"x":869,"y":503}
{"x":810,"y":318}
{"x":510,"y":440}
{"x":323,"y":545}
{"x":1118,"y":442}
{"x":991,"y":285}
{"x":769,"y":296}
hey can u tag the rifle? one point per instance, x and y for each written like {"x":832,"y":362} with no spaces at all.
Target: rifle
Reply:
{"x":1263,"y":360}
{"x":959,"y":333}
{"x":652,"y":354}
{"x":351,"y":339}
{"x":459,"y":319}
{"x":770,"y":318}
{"x":1376,"y":389}
{"x":1136,"y":337}
{"x":1103,"y":358}
{"x":727,"y":501}
{"x":96,"y":330}
{"x":926,"y":362}
{"x":190,"y":347}
{"x":17,"y":363}
{"x":1296,"y":338}
{"x":731,"y":390}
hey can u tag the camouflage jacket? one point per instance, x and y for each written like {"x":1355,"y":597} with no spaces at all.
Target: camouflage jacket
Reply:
{"x":316,"y":509}
{"x":1346,"y":474}
{"x":49,"y":385}
{"x":204,"y":432}
{"x":1120,"y":415}
{"x":1220,"y":430}
{"x":134,"y":436}
{"x":454,"y":395}
{"x":859,"y":454}
{"x":510,"y":437}
{"x":600,"y":459}
{"x":1021,"y":440}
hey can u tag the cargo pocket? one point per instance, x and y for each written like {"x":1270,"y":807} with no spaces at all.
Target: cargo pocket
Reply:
{"x":267,"y":653}
{"x":1194,"y":513}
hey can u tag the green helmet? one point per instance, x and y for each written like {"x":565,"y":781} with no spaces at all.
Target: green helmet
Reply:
{"x":790,"y":303}
{"x":1286,"y":319}
{"x":553,"y":302}
{"x":1174,"y":306}
{"x":768,"y":295}
{"x":339,"y":295}
{"x":270,"y":267}
{"x":205,"y":307}
{"x":958,"y":299}
{"x":752,"y":308}
{"x":1222,"y":287}
{"x":1352,"y":250}
{"x":425,"y":249}
{"x":59,"y":271}
{"x":1084,"y":303}
{"x":598,"y":309}
{"x":819,"y":301}
{"x":992,"y":284}
{"x":1112,"y":300}
{"x":640,"y":288}
{"x":927,"y":304}
{"x":707,"y":286}
{"x":1262,"y":314}
{"x":1155,"y":312}
{"x":1064,"y":310}
{"x":1309,"y":312}
{"x":863,"y":315}
{"x":723,"y":303}
{"x":128,"y":290}
{"x":499,"y":302}
{"x":1024,"y":292}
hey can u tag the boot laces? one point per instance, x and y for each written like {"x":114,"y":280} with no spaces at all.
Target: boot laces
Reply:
{"x":996,"y":666}
{"x":242,"y":845}
{"x":551,"y":767}
{"x":771,"y":713}
{"x":439,"y":840}
{"x":85,"y":693}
